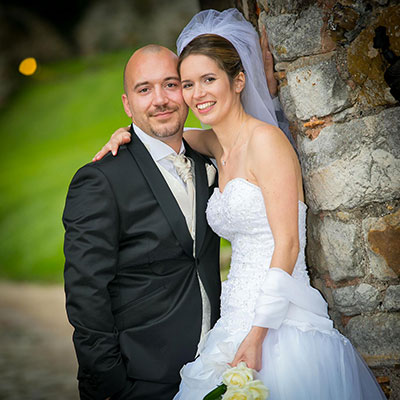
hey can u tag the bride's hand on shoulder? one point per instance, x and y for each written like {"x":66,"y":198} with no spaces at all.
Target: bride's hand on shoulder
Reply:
{"x":118,"y":138}
{"x":250,"y":350}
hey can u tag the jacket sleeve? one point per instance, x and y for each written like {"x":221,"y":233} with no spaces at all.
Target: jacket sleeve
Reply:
{"x":91,"y":224}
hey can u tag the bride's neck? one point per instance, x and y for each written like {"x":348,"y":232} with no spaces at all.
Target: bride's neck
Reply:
{"x":229,"y":128}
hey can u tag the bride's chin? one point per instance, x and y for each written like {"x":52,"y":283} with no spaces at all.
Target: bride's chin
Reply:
{"x":212,"y":118}
{"x":204,"y":120}
{"x":201,"y":117}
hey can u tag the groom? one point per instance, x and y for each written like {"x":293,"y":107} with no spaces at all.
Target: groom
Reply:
{"x":142,"y":266}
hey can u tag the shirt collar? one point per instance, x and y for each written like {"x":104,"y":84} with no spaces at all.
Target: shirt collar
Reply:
{"x":157,"y":148}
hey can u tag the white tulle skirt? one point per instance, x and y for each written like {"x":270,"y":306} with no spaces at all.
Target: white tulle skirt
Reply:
{"x":298,"y":364}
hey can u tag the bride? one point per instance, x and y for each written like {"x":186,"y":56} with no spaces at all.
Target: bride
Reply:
{"x":271,"y":318}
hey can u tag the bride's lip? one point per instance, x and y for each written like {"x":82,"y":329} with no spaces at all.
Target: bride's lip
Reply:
{"x":205,"y":106}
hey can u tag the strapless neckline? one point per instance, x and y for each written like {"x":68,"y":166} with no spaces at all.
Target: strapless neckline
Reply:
{"x":249,"y":183}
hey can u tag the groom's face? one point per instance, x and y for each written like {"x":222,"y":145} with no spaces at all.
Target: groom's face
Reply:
{"x":153,"y":96}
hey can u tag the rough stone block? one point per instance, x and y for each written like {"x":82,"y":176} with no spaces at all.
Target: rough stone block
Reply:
{"x":366,"y":65}
{"x":376,"y":337}
{"x":287,"y":103}
{"x":352,"y":300}
{"x":317,"y":88}
{"x":277,"y":7}
{"x":294,"y":35}
{"x":354,"y":163}
{"x":382,"y":236}
{"x":392,"y":298}
{"x":339,"y":249}
{"x":314,"y":253}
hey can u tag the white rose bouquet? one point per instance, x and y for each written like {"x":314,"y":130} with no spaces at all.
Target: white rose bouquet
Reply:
{"x":239,"y":384}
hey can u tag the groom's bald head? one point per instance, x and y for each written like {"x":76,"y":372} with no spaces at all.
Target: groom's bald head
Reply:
{"x":138,"y":55}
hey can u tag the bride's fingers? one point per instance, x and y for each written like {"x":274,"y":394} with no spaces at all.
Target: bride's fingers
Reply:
{"x":250,"y":361}
{"x":102,"y":153}
{"x":238,"y":358}
{"x":118,"y":138}
{"x":120,"y":135}
{"x":256,"y":366}
{"x":125,"y":138}
{"x":95,"y":157}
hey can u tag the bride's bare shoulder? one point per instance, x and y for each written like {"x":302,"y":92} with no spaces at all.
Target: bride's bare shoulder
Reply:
{"x":266,"y":138}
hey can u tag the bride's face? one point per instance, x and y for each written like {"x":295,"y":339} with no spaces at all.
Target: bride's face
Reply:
{"x":207,"y":89}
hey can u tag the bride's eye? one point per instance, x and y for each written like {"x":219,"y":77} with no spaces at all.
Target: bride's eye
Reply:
{"x":209,"y":79}
{"x":187,"y":85}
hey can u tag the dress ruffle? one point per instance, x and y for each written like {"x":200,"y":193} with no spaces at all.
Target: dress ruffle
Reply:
{"x":299,"y":363}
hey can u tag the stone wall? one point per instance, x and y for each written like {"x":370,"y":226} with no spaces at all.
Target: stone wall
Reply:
{"x":347,"y":126}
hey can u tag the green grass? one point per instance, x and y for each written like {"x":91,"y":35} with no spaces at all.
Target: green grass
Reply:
{"x":60,"y":118}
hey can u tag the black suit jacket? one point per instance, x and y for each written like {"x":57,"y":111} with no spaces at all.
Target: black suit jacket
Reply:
{"x":132,"y":292}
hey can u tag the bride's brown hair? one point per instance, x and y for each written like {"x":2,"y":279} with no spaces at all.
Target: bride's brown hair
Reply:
{"x":218,"y":49}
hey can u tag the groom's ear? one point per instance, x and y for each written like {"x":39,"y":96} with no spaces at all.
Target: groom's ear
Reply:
{"x":239,"y":82}
{"x":127,"y":107}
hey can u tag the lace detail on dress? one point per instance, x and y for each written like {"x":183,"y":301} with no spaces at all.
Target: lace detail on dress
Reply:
{"x":238,"y":214}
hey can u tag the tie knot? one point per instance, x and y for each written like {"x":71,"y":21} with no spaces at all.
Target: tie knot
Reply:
{"x":182,"y":165}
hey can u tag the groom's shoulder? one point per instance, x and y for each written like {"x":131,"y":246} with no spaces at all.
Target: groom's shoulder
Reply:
{"x":109,"y":161}
{"x":109,"y":166}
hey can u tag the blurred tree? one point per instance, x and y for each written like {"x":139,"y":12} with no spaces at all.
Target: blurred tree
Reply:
{"x":63,"y":16}
{"x":82,"y":27}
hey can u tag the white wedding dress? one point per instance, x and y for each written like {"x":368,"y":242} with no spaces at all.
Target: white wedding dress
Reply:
{"x":304,"y":358}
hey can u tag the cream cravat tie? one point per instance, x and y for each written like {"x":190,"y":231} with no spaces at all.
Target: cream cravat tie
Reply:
{"x":183,"y":167}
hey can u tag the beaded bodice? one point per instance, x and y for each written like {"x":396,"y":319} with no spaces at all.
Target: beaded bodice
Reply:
{"x":238,"y":214}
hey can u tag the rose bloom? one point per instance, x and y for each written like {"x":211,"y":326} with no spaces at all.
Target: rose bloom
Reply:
{"x":258,"y":390}
{"x":237,"y":376}
{"x":237,"y":393}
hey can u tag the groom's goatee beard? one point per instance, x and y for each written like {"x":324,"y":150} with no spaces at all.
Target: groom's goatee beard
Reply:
{"x":166,"y":131}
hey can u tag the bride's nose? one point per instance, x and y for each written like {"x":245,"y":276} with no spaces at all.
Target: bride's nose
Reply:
{"x":198,"y":91}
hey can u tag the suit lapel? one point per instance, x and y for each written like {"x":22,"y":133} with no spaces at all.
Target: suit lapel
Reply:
{"x":161,"y":192}
{"x":201,"y":196}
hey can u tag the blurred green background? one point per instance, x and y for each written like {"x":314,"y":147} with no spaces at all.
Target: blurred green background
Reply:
{"x":60,"y":117}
